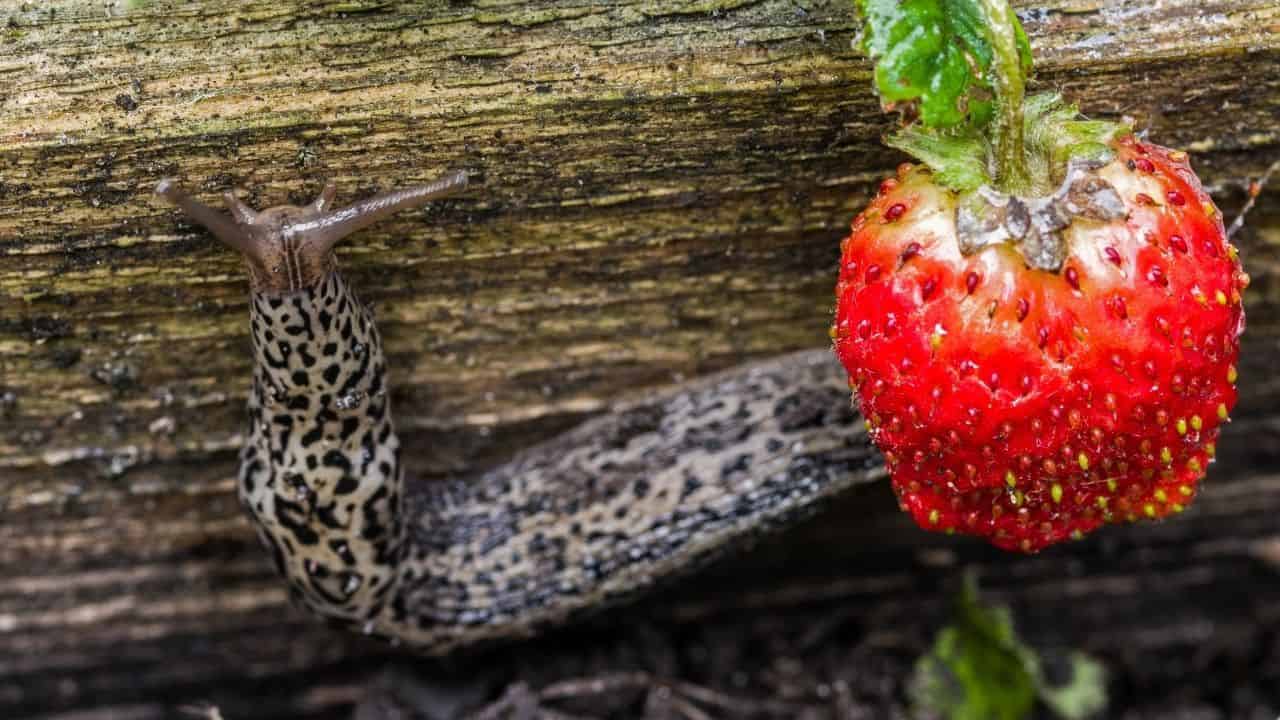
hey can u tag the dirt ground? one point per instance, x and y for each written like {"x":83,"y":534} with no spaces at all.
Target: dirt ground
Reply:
{"x":1185,"y":632}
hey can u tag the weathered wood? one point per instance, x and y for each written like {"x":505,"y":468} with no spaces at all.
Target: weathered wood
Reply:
{"x":662,"y":188}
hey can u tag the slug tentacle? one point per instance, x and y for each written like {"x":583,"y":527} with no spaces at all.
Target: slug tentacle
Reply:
{"x":651,"y":488}
{"x":325,"y":199}
{"x":325,"y":230}
{"x":290,"y":248}
{"x":222,"y":227}
{"x":242,"y":214}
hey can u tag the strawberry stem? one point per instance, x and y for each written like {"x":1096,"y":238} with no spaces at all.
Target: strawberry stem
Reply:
{"x":1010,"y":172}
{"x":959,"y":69}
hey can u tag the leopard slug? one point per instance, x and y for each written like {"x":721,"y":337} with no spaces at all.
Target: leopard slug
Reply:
{"x":654,"y":486}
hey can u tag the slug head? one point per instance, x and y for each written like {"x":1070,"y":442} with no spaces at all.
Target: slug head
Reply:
{"x":290,"y":248}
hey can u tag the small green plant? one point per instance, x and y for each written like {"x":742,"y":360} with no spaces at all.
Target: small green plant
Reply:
{"x":979,"y":669}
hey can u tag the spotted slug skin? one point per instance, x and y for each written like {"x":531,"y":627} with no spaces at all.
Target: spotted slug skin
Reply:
{"x":653,"y":487}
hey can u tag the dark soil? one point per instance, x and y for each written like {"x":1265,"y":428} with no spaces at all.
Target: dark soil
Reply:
{"x":1187,"y":630}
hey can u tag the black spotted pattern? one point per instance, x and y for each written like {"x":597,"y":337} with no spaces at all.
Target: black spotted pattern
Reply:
{"x":648,"y":490}
{"x":321,"y":471}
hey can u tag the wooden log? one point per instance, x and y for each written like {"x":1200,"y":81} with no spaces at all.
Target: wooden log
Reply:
{"x":662,"y":187}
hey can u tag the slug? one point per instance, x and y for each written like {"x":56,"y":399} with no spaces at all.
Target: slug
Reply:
{"x":654,"y":486}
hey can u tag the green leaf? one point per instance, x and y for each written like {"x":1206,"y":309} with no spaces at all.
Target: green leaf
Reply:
{"x":936,"y":53}
{"x":978,"y":669}
{"x":1083,"y":696}
{"x":958,"y":158}
{"x":1055,"y":134}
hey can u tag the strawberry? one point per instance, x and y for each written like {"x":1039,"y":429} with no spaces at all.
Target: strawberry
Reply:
{"x":1041,"y":322}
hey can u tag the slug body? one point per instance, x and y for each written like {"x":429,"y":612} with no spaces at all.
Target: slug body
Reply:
{"x":650,"y":488}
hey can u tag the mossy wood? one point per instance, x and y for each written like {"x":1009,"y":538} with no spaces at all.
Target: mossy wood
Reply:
{"x":659,"y":189}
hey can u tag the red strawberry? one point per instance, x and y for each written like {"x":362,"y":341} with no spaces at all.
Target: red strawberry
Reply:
{"x":1034,"y":367}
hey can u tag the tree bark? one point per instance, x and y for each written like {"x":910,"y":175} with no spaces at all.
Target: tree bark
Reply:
{"x":661,"y":188}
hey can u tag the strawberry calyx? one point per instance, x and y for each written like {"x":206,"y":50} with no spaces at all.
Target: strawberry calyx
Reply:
{"x":1034,"y":226}
{"x":957,"y":70}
